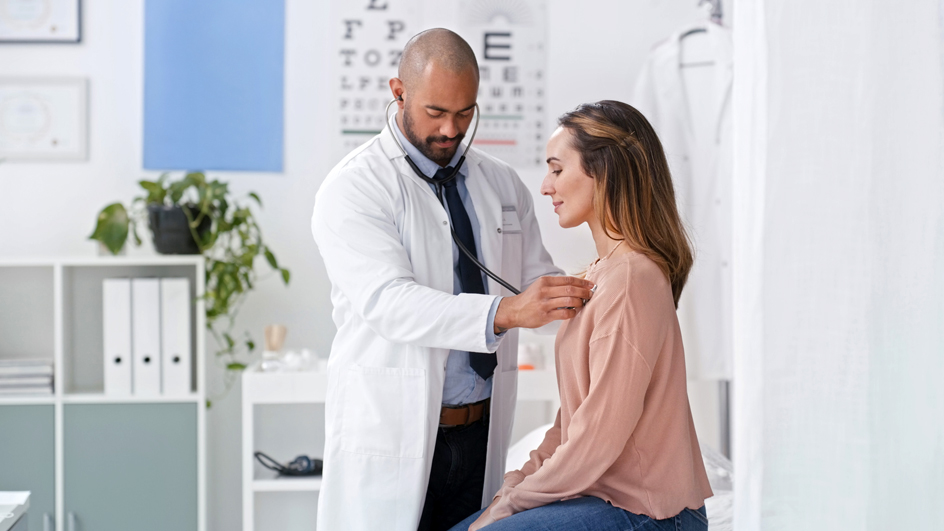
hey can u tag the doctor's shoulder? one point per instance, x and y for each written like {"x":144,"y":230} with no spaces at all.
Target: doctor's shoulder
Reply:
{"x":500,"y":173}
{"x":358,"y":187}
{"x":488,"y":162}
{"x":361,"y":172}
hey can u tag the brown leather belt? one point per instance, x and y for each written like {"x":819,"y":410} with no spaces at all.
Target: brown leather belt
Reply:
{"x":452,"y":416}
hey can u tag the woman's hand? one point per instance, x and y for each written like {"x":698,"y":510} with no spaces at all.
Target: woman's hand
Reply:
{"x":485,"y":518}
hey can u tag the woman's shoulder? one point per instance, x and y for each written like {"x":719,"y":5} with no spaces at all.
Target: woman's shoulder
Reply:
{"x":632,"y":274}
{"x":632,"y":291}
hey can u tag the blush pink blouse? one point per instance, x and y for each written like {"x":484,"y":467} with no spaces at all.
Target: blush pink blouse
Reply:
{"x":624,"y":431}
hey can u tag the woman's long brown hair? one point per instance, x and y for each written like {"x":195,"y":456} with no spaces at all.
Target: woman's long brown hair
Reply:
{"x":633,"y":193}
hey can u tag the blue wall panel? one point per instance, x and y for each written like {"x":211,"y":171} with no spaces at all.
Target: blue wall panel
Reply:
{"x":213,"y":84}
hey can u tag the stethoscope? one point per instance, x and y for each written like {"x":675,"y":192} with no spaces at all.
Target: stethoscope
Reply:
{"x":439,"y":183}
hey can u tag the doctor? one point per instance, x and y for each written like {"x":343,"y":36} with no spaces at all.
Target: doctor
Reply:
{"x":419,"y":411}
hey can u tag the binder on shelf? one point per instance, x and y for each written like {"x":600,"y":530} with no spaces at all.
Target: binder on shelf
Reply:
{"x":116,"y":318}
{"x":146,"y":335}
{"x":175,"y":335}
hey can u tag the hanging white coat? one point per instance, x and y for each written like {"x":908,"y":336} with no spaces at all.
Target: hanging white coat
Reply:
{"x":700,"y":159}
{"x":386,"y":244}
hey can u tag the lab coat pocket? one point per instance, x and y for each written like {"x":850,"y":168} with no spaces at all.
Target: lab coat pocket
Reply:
{"x":384,"y":411}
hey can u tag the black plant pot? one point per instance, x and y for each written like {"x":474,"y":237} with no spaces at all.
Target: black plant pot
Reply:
{"x":171,"y":231}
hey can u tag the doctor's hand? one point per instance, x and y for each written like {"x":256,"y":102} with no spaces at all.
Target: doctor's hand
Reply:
{"x":547,"y":299}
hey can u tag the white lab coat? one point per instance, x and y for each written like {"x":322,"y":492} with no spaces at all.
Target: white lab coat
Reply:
{"x":700,"y":160}
{"x":386,"y":244}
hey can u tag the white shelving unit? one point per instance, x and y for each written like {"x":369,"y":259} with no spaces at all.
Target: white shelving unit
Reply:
{"x":68,"y":331}
{"x":310,"y":387}
{"x":273,"y":388}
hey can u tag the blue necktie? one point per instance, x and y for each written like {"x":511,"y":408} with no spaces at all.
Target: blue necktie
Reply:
{"x":470,"y":277}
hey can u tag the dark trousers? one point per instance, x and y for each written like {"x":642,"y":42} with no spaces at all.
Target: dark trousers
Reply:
{"x":457,"y":477}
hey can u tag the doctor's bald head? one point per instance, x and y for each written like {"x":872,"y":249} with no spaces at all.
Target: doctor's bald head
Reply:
{"x":436,"y":88}
{"x":436,"y":47}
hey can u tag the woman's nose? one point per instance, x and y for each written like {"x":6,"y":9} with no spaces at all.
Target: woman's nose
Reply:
{"x":546,"y":187}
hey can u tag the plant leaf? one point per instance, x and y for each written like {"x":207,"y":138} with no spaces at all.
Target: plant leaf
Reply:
{"x":251,"y":345}
{"x":195,"y":177}
{"x":247,"y":258}
{"x":285,"y":276}
{"x":235,"y":366}
{"x":155,"y":192}
{"x":112,"y":227}
{"x":134,"y":231}
{"x":271,"y":258}
{"x":256,"y":197}
{"x":176,"y":191}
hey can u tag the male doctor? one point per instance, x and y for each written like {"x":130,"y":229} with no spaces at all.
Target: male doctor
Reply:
{"x":423,"y":371}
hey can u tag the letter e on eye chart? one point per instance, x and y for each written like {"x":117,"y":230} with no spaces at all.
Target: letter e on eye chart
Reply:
{"x":508,"y":37}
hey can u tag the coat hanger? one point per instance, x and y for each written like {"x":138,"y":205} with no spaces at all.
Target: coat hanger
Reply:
{"x":715,"y":16}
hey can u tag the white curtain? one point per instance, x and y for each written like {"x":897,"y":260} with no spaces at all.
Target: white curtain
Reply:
{"x":838,"y":264}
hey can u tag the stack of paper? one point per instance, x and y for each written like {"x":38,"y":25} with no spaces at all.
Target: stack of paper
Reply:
{"x":25,"y":377}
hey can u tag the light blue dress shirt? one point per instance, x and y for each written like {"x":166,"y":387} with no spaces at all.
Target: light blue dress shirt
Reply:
{"x":462,"y":385}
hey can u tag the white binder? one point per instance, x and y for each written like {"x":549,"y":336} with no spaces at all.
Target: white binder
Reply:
{"x":175,"y":335}
{"x":116,"y":320}
{"x":146,"y":335}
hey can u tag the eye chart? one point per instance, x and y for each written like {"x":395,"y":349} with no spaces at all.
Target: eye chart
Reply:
{"x":371,"y":36}
{"x":508,"y":38}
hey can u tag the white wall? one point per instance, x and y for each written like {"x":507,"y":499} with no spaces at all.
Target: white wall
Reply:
{"x":595,"y":49}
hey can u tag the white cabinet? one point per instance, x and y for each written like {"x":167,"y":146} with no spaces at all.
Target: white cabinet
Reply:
{"x":52,"y":308}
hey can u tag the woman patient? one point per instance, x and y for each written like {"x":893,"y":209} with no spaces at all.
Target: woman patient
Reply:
{"x":623,"y":453}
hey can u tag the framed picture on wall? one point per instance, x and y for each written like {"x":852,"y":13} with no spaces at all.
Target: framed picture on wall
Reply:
{"x":25,"y":21}
{"x":43,"y":119}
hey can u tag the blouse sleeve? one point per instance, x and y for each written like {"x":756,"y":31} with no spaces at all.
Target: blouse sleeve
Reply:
{"x":597,"y":434}
{"x":552,"y":440}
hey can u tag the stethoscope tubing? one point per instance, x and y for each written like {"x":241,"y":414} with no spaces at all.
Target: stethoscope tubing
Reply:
{"x":439,"y":193}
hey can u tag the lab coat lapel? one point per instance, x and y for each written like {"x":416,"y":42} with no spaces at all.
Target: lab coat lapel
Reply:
{"x":389,"y":145}
{"x":488,"y":209}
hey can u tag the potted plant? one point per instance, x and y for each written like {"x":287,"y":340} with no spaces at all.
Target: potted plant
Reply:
{"x":196,"y":216}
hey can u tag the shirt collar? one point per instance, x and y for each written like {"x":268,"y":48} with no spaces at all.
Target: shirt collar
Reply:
{"x":427,"y":166}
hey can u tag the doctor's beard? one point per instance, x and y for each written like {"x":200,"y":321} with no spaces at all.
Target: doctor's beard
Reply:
{"x":438,"y":155}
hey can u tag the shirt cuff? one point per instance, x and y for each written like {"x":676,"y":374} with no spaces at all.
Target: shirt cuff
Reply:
{"x":492,"y":340}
